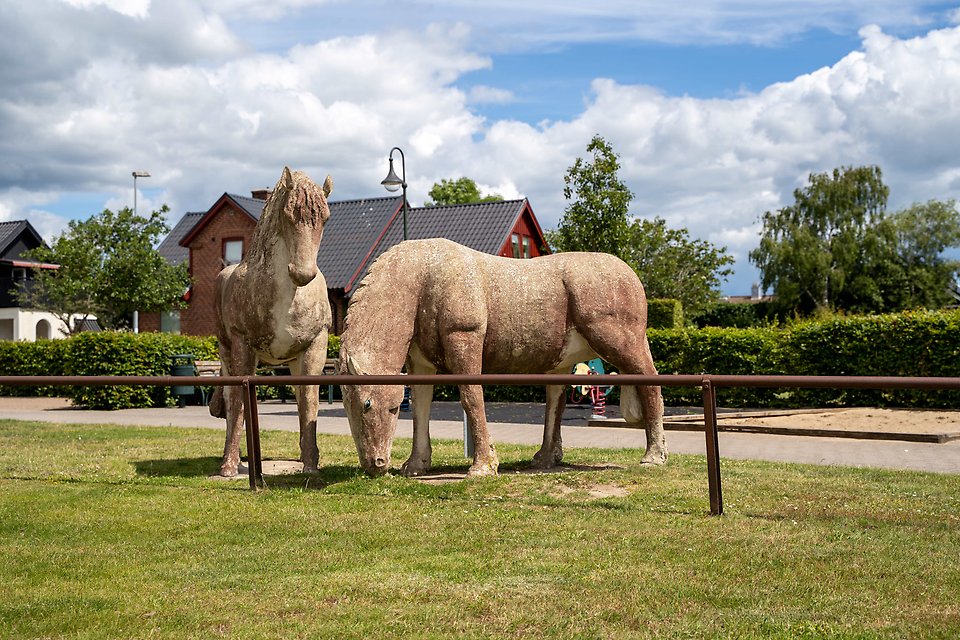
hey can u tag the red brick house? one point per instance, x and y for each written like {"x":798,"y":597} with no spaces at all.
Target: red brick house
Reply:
{"x":357,"y":233}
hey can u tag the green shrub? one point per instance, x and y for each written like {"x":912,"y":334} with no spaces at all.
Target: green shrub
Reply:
{"x":912,"y":344}
{"x":664,"y":313}
{"x":736,"y":315}
{"x":41,"y":358}
{"x":110,"y":353}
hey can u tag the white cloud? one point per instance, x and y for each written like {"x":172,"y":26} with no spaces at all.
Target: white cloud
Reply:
{"x":208,"y":116}
{"x":483,"y":94}
{"x":132,"y":8}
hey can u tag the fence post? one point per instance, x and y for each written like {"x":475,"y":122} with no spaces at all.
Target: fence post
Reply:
{"x":252,"y":420}
{"x":713,"y":446}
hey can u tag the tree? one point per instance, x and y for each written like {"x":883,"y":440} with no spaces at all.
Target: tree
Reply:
{"x":836,"y":248}
{"x":597,"y":218}
{"x":459,"y":191}
{"x":668,"y":262}
{"x":914,"y":271}
{"x":109,"y":268}
{"x":671,"y":265}
{"x":809,"y":251}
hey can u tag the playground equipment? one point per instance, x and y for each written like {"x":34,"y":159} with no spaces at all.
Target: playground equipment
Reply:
{"x":597,"y":393}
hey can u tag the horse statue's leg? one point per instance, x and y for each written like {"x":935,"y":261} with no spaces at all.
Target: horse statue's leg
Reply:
{"x":421,"y":457}
{"x":551,"y":451}
{"x":645,"y":405}
{"x":485,"y":461}
{"x":310,"y":363}
{"x":238,"y":360}
{"x":627,"y":348}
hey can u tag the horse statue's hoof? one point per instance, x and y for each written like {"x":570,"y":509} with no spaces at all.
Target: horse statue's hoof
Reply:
{"x":413,"y":468}
{"x":547,"y":460}
{"x":228,"y":471}
{"x":481,"y":470}
{"x":654,"y":457}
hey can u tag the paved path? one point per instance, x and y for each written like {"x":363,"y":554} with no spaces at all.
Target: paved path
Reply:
{"x":523,"y":427}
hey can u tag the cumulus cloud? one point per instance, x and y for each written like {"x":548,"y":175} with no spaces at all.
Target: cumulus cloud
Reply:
{"x":190,"y":101}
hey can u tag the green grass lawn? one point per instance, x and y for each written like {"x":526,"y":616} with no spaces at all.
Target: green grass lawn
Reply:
{"x":117,"y":532}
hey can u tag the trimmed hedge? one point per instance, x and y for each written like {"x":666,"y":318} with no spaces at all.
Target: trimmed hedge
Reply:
{"x":915,"y":343}
{"x":102,"y":353}
{"x":664,"y":313}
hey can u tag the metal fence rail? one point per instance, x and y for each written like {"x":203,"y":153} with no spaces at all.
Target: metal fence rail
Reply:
{"x":707,"y":382}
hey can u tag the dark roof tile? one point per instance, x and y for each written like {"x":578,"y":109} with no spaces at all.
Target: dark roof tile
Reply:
{"x":352,"y":232}
{"x":170,"y":248}
{"x":483,"y":226}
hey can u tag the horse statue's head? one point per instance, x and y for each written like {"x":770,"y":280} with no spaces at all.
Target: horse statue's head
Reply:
{"x":372,"y":411}
{"x":298,"y":210}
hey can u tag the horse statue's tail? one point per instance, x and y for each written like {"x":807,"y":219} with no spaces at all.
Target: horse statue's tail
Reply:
{"x":629,"y":405}
{"x":217,"y":407}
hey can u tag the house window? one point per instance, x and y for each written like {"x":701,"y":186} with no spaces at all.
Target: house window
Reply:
{"x":515,"y":239}
{"x":526,"y":247}
{"x":232,"y":251}
{"x":170,"y":322}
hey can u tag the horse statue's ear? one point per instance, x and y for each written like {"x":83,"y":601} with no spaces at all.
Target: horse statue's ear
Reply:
{"x":287,"y":178}
{"x":327,"y":186}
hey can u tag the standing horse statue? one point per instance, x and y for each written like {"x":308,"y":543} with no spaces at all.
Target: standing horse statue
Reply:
{"x":438,"y":306}
{"x":272,"y":307}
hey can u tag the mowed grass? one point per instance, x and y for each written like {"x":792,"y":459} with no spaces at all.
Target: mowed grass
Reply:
{"x":117,"y":532}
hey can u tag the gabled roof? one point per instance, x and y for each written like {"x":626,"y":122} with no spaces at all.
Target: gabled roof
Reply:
{"x":170,"y":248}
{"x":251,"y":206}
{"x":360,"y":230}
{"x":350,"y":236}
{"x":353,"y":231}
{"x":12,"y":231}
{"x":484,"y":226}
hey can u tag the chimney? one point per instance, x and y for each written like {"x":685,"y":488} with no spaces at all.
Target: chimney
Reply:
{"x":755,"y":291}
{"x":261,"y":194}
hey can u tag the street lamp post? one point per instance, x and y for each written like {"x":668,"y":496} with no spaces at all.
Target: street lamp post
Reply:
{"x":137,"y":174}
{"x":391,"y":183}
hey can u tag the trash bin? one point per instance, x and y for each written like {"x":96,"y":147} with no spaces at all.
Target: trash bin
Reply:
{"x":182,"y":365}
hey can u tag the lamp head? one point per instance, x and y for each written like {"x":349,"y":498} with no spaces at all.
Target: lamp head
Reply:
{"x":392,"y":182}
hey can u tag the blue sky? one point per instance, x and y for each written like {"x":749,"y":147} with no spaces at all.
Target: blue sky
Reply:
{"x":717,"y":109}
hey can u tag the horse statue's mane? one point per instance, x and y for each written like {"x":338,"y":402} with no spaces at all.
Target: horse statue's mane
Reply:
{"x":365,"y":294}
{"x":295,"y":195}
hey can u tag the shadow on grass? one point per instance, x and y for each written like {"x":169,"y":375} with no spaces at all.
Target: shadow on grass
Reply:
{"x":321,"y":479}
{"x":208,"y":466}
{"x":178,"y":467}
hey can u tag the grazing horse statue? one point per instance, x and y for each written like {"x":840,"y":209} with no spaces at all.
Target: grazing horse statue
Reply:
{"x":438,"y":306}
{"x":272,"y":307}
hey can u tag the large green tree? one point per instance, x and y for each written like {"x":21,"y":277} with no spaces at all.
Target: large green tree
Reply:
{"x":597,"y":218}
{"x":459,"y":191}
{"x":109,"y":268}
{"x":669,"y":263}
{"x":836,"y":248}
{"x":672,"y":265}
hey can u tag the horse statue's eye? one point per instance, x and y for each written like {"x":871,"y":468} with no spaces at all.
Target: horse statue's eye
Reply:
{"x":367,"y":405}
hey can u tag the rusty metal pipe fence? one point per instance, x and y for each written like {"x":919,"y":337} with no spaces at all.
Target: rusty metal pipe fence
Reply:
{"x":707,"y":382}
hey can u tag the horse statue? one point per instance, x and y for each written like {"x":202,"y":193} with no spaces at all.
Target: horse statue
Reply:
{"x":439,"y":306}
{"x":272,"y":307}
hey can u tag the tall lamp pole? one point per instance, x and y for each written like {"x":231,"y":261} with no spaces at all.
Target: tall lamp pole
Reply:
{"x":391,"y":183}
{"x":137,"y":174}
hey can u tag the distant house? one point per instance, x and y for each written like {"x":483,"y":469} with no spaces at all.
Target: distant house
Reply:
{"x":16,"y":323}
{"x":357,"y":233}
